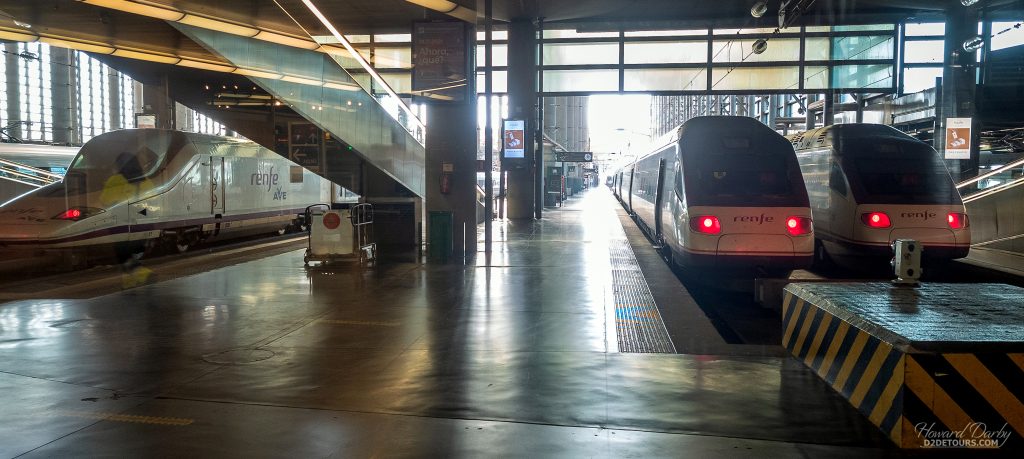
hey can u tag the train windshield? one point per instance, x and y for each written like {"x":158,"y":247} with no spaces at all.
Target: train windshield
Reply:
{"x":899,"y":173}
{"x":742,"y":178}
{"x":134,"y":155}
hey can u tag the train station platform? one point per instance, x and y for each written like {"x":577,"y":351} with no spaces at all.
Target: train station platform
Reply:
{"x":551,"y":347}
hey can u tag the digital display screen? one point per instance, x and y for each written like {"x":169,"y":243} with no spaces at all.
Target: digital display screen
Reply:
{"x":513,"y":139}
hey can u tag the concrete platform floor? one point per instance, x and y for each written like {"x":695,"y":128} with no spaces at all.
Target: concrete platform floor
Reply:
{"x":513,"y":356}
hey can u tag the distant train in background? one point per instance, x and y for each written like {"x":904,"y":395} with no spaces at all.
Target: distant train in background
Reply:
{"x":722,"y":193}
{"x":871,"y":184}
{"x":161,"y":187}
{"x":25,"y":167}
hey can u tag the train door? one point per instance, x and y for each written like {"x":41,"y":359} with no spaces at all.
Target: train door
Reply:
{"x":658,"y":200}
{"x":217,"y":185}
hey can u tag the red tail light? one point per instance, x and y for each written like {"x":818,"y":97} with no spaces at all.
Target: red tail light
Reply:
{"x":77,"y":213}
{"x":957,"y":220}
{"x":707,"y":224}
{"x":876,"y":219}
{"x":799,"y":225}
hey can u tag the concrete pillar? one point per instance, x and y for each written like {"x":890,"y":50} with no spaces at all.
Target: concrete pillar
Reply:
{"x":113,"y":99}
{"x":451,"y":139}
{"x":64,"y":96}
{"x":156,"y":100}
{"x":522,"y":93}
{"x":13,"y":70}
{"x":959,"y":86}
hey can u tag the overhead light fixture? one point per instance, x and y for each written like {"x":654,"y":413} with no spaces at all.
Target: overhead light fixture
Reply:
{"x":79,"y":45}
{"x":206,"y":65}
{"x":759,"y":46}
{"x":973,"y":44}
{"x":450,"y":8}
{"x":286,"y":40}
{"x":759,"y":9}
{"x":968,"y":2}
{"x":144,"y":56}
{"x":216,"y":24}
{"x":152,"y":11}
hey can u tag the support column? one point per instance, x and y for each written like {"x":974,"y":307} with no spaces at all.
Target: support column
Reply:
{"x":828,"y":114}
{"x":113,"y":99}
{"x":959,"y":84}
{"x":63,"y":96}
{"x":452,"y":139}
{"x":156,"y":100}
{"x":522,"y":93}
{"x":13,"y":69}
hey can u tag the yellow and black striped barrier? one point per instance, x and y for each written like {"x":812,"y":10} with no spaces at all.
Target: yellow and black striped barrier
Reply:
{"x":933,"y":389}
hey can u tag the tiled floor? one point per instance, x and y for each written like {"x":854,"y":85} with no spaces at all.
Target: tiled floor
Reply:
{"x":515,"y":355}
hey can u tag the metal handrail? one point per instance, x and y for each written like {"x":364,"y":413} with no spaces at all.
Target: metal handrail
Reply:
{"x":361,"y":216}
{"x":1000,"y":170}
{"x":37,"y":177}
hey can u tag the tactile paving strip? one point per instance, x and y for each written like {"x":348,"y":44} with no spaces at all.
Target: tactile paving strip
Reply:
{"x":638,"y":325}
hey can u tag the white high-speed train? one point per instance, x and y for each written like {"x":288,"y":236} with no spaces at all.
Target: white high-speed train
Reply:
{"x":175,"y":187}
{"x":722,"y":192}
{"x":871,"y":184}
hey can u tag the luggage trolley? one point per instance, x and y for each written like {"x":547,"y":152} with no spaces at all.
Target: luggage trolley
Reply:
{"x":340,"y":234}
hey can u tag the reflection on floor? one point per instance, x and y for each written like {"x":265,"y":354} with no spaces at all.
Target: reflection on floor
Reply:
{"x":514,"y":355}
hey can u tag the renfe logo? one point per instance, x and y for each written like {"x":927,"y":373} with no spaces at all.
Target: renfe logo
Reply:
{"x":269,"y":179}
{"x":758,"y":219}
{"x":924,"y":215}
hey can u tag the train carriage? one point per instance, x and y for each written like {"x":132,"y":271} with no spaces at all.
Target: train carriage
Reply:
{"x":723,"y":193}
{"x":871,"y":184}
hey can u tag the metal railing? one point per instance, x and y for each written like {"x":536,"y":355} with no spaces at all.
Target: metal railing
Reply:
{"x":362,"y":222}
{"x":994,"y":181}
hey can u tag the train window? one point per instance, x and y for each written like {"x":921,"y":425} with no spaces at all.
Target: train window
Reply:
{"x":295,"y":173}
{"x":741,"y":179}
{"x":836,"y":180}
{"x":904,"y":181}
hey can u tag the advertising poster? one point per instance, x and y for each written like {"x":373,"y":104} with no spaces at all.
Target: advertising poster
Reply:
{"x":439,"y":60}
{"x":958,"y":138}
{"x":513,"y":139}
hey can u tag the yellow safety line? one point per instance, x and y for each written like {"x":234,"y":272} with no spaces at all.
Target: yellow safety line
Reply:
{"x":358,"y":322}
{"x":870,"y":374}
{"x":1018,"y":359}
{"x":826,"y":320}
{"x":989,"y":386}
{"x":833,"y":349}
{"x":130,"y":418}
{"x":804,"y":329}
{"x":888,"y":395}
{"x":851,"y":360}
{"x":933,"y":396}
{"x":798,"y":309}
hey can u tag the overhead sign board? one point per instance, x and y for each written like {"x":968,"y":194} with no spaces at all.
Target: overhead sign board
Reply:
{"x":958,"y":138}
{"x":439,"y":60}
{"x":513,"y":139}
{"x":574,"y":156}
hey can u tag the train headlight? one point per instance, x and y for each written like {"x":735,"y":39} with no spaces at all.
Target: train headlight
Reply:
{"x":876,"y":219}
{"x":957,"y":220}
{"x":78,"y":213}
{"x":798,"y":226}
{"x":707,"y":224}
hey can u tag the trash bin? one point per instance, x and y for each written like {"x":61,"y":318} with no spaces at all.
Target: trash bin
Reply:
{"x":439,"y":236}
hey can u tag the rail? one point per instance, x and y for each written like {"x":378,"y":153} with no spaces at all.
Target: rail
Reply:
{"x":27,"y":175}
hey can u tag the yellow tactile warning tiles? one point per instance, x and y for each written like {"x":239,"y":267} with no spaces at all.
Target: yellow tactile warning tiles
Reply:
{"x":117,"y":417}
{"x":971,"y":400}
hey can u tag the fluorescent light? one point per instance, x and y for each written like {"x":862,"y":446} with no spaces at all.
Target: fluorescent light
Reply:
{"x":157,"y":12}
{"x":301,"y":80}
{"x":78,"y":45}
{"x":342,"y":86}
{"x":218,"y":25}
{"x":163,"y":59}
{"x":257,"y":73}
{"x":286,"y":40}
{"x":17,"y":36}
{"x":206,"y":65}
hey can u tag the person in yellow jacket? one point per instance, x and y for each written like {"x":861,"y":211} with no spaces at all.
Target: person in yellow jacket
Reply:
{"x":129,"y":184}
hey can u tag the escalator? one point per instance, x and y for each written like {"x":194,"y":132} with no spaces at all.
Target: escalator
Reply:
{"x":995,"y":205}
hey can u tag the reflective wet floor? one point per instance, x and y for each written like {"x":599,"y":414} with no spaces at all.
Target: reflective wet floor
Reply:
{"x":519,"y":354}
